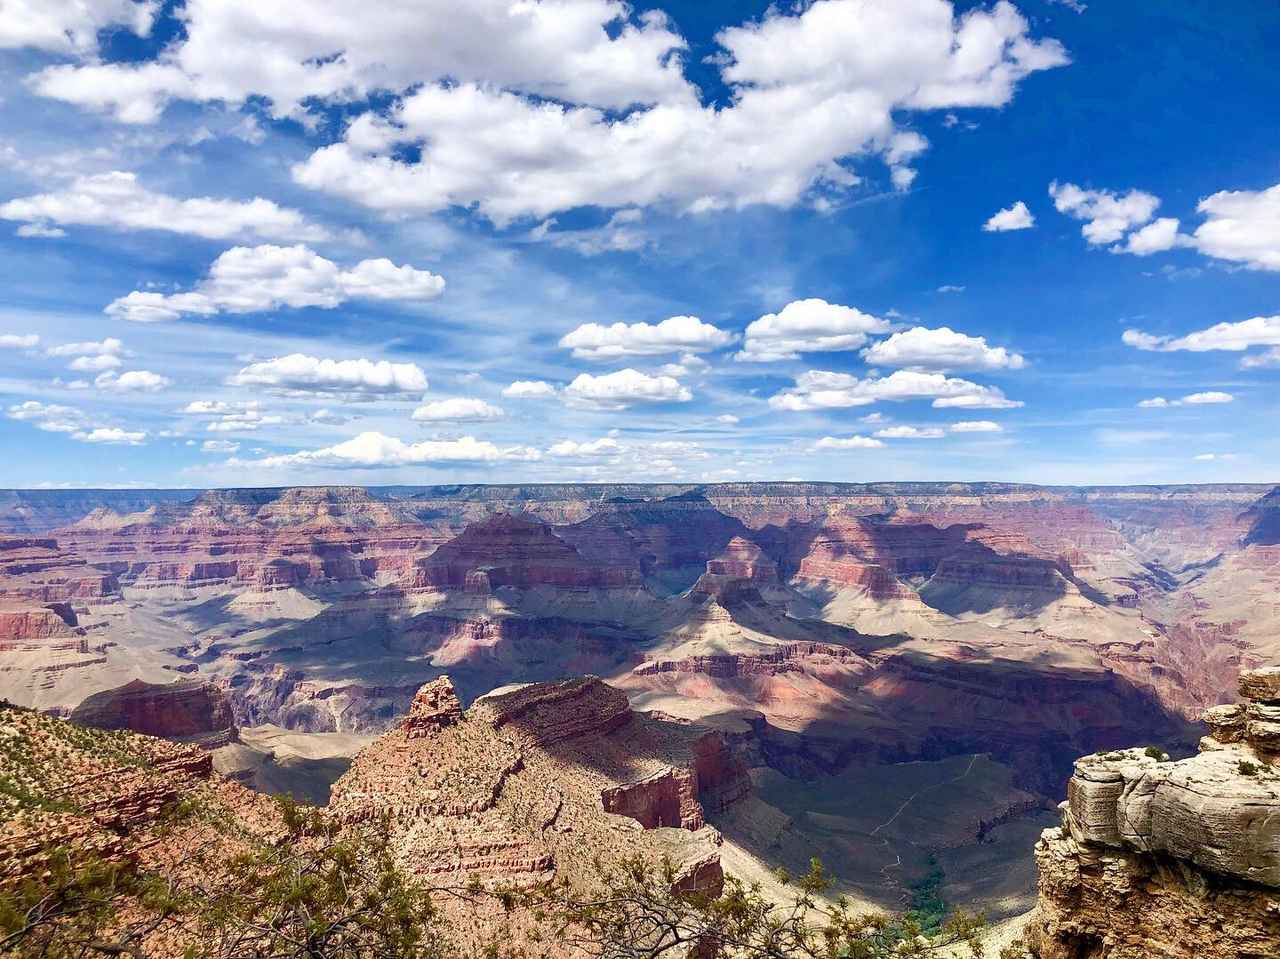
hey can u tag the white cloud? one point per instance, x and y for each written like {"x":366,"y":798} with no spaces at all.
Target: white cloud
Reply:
{"x":847,"y":443}
{"x":205,"y":407}
{"x":63,"y":27}
{"x":1212,"y":457}
{"x":910,"y":433}
{"x":727,"y":418}
{"x":1155,"y":237}
{"x":133,"y":381}
{"x":1108,"y":216}
{"x":457,"y":410}
{"x":19,"y":341}
{"x":976,"y":426}
{"x":1231,"y":337}
{"x":940,"y":350}
{"x":117,"y":201}
{"x":1016,"y":217}
{"x":108,"y":347}
{"x":50,"y":417}
{"x":328,"y":417}
{"x":95,"y":364}
{"x":677,"y":334}
{"x":1242,"y":227}
{"x":808,"y":326}
{"x":38,"y":231}
{"x":235,"y":49}
{"x":604,"y":446}
{"x":1207,"y":398}
{"x":112,"y":435}
{"x":373,"y":450}
{"x":950,"y":288}
{"x":299,"y":373}
{"x":818,"y":389}
{"x":616,"y":391}
{"x":219,"y":446}
{"x":689,"y":364}
{"x":261,"y":278}
{"x":530,"y":390}
{"x":242,"y":418}
{"x":809,"y":90}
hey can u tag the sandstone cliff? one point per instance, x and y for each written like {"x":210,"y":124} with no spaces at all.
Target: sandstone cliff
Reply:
{"x":1175,"y":859}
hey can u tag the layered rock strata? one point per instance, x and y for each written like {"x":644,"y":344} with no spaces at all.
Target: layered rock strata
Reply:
{"x":1177,"y":859}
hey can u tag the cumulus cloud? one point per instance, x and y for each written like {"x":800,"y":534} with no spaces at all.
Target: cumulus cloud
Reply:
{"x":133,"y":381}
{"x":570,"y":448}
{"x":261,"y":278}
{"x":113,"y":435}
{"x":236,"y":49}
{"x":940,"y":350}
{"x":1229,"y":337}
{"x":1016,"y":217}
{"x":727,"y":418}
{"x":75,"y":423}
{"x":71,"y":27}
{"x":976,"y":426}
{"x":95,"y":364}
{"x":50,"y":417}
{"x":910,"y":433}
{"x":530,"y":390}
{"x":818,"y":390}
{"x":677,"y":334}
{"x":808,"y":326}
{"x":457,"y":410}
{"x":117,"y":201}
{"x":616,"y":391}
{"x":1108,"y":215}
{"x":847,"y":443}
{"x":810,"y":89}
{"x":373,"y":450}
{"x":1242,"y":227}
{"x":302,"y":374}
{"x":1155,"y":237}
{"x":19,"y":341}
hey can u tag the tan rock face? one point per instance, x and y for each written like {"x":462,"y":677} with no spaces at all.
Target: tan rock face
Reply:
{"x":1177,"y":859}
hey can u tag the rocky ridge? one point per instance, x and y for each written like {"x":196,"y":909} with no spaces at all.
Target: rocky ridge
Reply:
{"x":1177,"y":859}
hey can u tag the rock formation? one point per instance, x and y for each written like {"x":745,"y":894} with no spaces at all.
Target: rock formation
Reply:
{"x":186,"y":709}
{"x":536,"y":781}
{"x":1177,"y":859}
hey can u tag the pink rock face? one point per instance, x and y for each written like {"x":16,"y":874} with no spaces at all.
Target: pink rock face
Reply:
{"x":53,"y":622}
{"x":186,"y":709}
{"x":513,"y":551}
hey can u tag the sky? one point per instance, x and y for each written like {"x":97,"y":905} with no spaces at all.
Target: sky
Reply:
{"x":266,"y":243}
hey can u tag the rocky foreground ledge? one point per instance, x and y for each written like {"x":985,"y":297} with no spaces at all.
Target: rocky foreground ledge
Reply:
{"x":1171,"y":859}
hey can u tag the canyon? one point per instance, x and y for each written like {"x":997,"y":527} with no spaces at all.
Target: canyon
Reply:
{"x":944,"y":652}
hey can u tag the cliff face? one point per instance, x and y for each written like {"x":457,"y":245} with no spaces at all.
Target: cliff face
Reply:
{"x":186,"y":709}
{"x":1177,"y":859}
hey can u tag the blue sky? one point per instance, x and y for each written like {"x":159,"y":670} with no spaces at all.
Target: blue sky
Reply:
{"x":576,"y":240}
